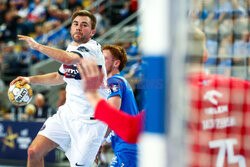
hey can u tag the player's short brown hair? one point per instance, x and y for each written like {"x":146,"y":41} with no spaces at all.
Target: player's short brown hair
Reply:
{"x":196,"y":45}
{"x":85,"y":13}
{"x":118,"y":53}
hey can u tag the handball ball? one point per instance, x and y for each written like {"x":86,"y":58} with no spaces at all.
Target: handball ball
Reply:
{"x":20,"y":95}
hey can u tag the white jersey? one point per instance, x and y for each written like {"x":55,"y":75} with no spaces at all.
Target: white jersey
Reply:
{"x":72,"y":127}
{"x":75,"y":98}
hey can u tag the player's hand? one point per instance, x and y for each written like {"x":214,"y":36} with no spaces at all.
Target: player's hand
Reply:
{"x":23,"y":80}
{"x":92,"y":78}
{"x":30,"y":41}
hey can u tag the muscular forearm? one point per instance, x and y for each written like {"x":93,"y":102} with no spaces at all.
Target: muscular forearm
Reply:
{"x":59,"y":55}
{"x":126,"y":126}
{"x":46,"y":79}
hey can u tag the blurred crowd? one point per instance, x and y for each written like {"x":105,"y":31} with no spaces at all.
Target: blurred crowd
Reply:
{"x":226,"y":25}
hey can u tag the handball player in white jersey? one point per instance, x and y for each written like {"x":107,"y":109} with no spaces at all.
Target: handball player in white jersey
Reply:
{"x":72,"y":128}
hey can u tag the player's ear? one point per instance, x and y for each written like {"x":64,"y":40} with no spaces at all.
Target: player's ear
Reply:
{"x":205,"y":55}
{"x":93,"y":32}
{"x":117,"y":63}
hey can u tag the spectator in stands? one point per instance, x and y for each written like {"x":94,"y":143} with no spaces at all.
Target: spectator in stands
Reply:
{"x":61,"y":4}
{"x":42,"y":37}
{"x":66,"y":14}
{"x":39,"y":37}
{"x":37,"y":12}
{"x":225,"y":54}
{"x":2,"y":87}
{"x":113,"y":12}
{"x":52,"y":13}
{"x":73,"y":4}
{"x":212,"y":48}
{"x":131,"y":48}
{"x":240,"y":54}
{"x":29,"y":110}
{"x":100,"y":22}
{"x":125,"y":11}
{"x":59,"y":37}
{"x":135,"y":76}
{"x":25,"y":59}
{"x":8,"y":31}
{"x":3,"y":10}
{"x":15,"y":113}
{"x":43,"y":110}
{"x":86,"y":3}
{"x":1,"y":57}
{"x":24,"y":27}
{"x":10,"y":62}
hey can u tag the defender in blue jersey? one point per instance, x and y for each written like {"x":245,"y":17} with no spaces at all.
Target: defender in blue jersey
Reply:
{"x":122,"y":97}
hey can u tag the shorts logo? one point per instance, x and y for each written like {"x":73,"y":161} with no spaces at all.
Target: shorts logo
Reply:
{"x":43,"y":127}
{"x":79,"y":165}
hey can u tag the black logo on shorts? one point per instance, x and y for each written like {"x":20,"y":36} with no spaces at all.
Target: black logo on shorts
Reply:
{"x":79,"y":165}
{"x":43,"y":127}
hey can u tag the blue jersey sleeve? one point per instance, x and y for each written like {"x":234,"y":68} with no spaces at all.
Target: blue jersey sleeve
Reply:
{"x":116,"y":87}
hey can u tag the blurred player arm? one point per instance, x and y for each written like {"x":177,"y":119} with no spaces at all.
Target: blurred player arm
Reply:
{"x":126,"y":126}
{"x":47,"y":79}
{"x":115,"y":101}
{"x":59,"y":55}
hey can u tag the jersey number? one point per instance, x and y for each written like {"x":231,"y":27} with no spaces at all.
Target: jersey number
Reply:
{"x":226,"y":147}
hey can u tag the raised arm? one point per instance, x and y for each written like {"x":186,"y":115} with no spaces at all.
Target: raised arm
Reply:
{"x":59,"y":55}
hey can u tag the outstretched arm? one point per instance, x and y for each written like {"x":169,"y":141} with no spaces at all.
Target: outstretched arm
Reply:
{"x":57,"y":54}
{"x":46,"y":79}
{"x":126,"y":126}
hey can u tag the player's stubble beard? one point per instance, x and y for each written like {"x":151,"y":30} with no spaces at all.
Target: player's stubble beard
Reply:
{"x":81,"y":40}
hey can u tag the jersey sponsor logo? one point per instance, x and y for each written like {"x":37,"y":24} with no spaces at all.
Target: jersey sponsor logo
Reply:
{"x":83,"y":49}
{"x":212,"y":96}
{"x":216,"y":110}
{"x":115,"y":84}
{"x":114,"y":88}
{"x":71,"y":72}
{"x":219,"y":123}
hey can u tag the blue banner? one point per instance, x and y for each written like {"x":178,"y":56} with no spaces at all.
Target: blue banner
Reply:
{"x":15,"y":138}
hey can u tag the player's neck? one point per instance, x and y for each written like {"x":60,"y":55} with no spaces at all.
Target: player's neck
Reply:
{"x":113,"y":72}
{"x":74,"y":43}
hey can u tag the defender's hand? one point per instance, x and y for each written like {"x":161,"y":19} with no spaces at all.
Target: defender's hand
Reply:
{"x":30,"y":41}
{"x":92,"y":78}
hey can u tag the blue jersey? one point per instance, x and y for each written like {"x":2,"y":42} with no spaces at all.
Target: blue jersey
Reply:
{"x":120,"y":86}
